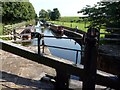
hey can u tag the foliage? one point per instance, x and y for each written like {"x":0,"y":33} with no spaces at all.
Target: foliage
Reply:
{"x":103,"y":14}
{"x":1,"y":28}
{"x":71,"y":19}
{"x":13,"y":12}
{"x":49,"y":15}
{"x":42,"y":13}
{"x":56,"y":14}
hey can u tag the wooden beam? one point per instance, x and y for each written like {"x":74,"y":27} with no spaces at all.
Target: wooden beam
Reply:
{"x":21,"y":41}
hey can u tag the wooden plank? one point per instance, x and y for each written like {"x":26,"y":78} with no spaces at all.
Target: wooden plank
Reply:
{"x":73,"y":30}
{"x":22,"y":34}
{"x":113,"y":28}
{"x":74,"y":34}
{"x":78,"y":34}
{"x":19,"y":41}
{"x":111,"y":39}
{"x":6,"y":36}
{"x":33,"y":27}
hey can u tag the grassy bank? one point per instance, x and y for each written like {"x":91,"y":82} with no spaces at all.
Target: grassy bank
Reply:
{"x":23,"y":23}
{"x":1,"y":28}
{"x":68,"y":19}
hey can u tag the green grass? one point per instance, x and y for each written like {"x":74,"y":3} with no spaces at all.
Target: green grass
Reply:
{"x":1,"y":29}
{"x":102,"y":31}
{"x":23,"y":23}
{"x":68,"y":19}
{"x":72,"y":18}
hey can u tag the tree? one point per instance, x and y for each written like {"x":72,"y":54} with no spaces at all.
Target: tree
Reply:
{"x":103,"y":14}
{"x":31,"y":11}
{"x":55,"y":14}
{"x":13,"y":12}
{"x":43,"y":14}
{"x":49,"y":13}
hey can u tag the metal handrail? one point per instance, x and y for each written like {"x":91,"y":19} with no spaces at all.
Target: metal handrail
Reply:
{"x":62,"y":37}
{"x":67,"y":49}
{"x":63,"y":48}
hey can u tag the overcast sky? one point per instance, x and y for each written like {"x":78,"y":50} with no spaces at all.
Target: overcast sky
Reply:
{"x":66,"y":7}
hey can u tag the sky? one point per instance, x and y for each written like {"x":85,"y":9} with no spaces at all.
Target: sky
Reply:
{"x":65,"y":7}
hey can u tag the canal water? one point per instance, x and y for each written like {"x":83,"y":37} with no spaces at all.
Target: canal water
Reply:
{"x":66,"y":43}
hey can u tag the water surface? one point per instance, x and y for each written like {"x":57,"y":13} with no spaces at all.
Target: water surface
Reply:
{"x":66,"y":43}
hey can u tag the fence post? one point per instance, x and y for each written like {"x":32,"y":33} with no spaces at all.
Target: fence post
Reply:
{"x":14,"y":34}
{"x":39,"y":37}
{"x":76,"y":57}
{"x":90,"y":59}
{"x":82,"y":54}
{"x":62,"y":80}
{"x":43,"y":43}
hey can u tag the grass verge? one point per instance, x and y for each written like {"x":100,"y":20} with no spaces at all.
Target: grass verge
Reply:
{"x":1,"y":29}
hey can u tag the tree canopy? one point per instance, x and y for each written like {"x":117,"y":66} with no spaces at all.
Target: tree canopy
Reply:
{"x":43,"y":13}
{"x":103,"y":14}
{"x":17,"y":12}
{"x":51,"y":15}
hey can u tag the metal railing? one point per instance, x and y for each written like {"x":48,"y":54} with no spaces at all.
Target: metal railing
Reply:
{"x":67,"y":49}
{"x":41,"y":37}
